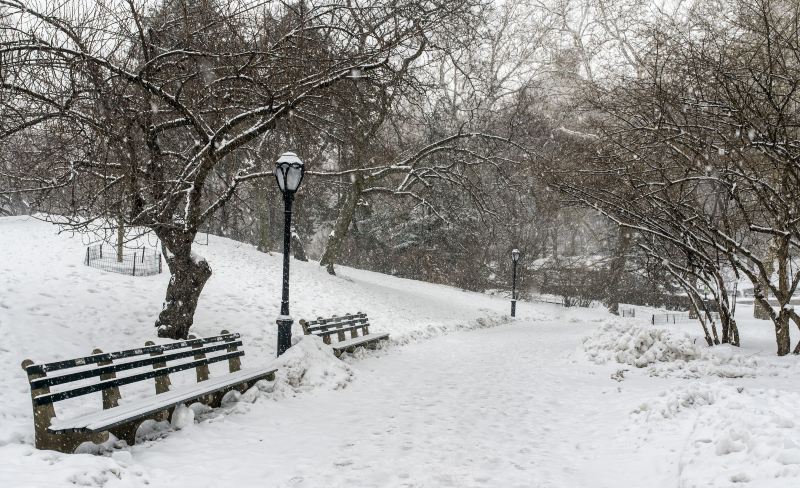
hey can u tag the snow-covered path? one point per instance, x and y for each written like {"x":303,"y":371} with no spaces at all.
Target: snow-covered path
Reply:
{"x":492,"y":407}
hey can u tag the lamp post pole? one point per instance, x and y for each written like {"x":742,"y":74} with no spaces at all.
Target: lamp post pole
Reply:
{"x":514,"y":259}
{"x":288,"y":173}
{"x":285,"y":320}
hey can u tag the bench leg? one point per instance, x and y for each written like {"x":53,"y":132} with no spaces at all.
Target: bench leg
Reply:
{"x":126,"y":432}
{"x":67,"y":442}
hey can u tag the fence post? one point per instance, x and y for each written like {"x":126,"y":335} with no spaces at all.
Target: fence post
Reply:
{"x":142,"y":255}
{"x":87,"y":255}
{"x":159,"y":263}
{"x":653,"y":320}
{"x":101,"y":251}
{"x":134,"y":264}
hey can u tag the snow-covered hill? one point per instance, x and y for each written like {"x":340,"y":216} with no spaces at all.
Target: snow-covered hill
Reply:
{"x":52,"y":306}
{"x":556,"y":398}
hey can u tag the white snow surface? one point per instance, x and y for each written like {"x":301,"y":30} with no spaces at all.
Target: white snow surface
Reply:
{"x":461,"y":396}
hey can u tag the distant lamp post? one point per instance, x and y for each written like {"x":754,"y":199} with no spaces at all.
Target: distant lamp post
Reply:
{"x":514,"y":259}
{"x":289,"y":173}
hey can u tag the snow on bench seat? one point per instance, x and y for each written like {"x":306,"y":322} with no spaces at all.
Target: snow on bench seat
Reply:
{"x":106,"y":419}
{"x":357,"y":341}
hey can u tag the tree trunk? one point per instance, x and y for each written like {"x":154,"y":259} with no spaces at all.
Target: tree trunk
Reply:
{"x":730,"y":334}
{"x":759,"y":310}
{"x":189,"y":276}
{"x":120,"y":239}
{"x":782,"y":333}
{"x":616,"y":270}
{"x":298,"y":250}
{"x":781,"y":321}
{"x":339,"y":233}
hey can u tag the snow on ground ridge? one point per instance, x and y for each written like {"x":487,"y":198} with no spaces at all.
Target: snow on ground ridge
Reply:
{"x":736,"y":435}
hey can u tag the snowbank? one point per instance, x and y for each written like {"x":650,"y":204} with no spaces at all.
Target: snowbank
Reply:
{"x":735,"y":434}
{"x":308,"y":364}
{"x":664,"y":352}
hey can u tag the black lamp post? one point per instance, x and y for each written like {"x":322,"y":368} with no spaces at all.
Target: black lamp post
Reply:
{"x":289,"y":173}
{"x":514,"y":259}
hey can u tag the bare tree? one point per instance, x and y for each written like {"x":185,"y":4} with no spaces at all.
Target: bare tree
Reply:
{"x":171,"y":102}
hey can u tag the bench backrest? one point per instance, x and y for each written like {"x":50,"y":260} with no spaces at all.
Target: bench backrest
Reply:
{"x":327,"y":327}
{"x":149,"y":362}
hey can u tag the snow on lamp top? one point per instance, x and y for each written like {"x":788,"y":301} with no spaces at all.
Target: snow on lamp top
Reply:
{"x":515,"y":255}
{"x":289,"y":172}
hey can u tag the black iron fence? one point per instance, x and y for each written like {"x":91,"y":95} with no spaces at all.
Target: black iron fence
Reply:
{"x":669,"y":318}
{"x":134,"y":262}
{"x":675,"y":318}
{"x":627,"y":312}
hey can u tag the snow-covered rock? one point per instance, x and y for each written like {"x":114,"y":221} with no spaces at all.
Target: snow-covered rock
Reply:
{"x":182,"y":417}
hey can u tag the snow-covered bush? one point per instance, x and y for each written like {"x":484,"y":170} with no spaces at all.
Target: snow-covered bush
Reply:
{"x":638,"y":345}
{"x":664,"y":352}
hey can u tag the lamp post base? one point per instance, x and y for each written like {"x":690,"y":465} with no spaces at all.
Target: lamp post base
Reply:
{"x":284,"y":333}
{"x":513,"y":308}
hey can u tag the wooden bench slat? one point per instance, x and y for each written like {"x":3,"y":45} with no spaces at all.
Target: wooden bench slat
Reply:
{"x":347,"y":326}
{"x":336,"y":320}
{"x":323,"y":333}
{"x":117,"y":367}
{"x":335,"y":323}
{"x":125,"y":380}
{"x":127,"y":412}
{"x":337,"y":317}
{"x":110,"y":356}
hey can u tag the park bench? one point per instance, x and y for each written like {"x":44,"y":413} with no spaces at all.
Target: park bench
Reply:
{"x":98,"y":373}
{"x":339,"y":326}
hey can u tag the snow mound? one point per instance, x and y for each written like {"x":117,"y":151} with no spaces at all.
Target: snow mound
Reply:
{"x":672,"y":403}
{"x":737,"y":435}
{"x":637,"y":345}
{"x":664,"y":352}
{"x":307,"y":365}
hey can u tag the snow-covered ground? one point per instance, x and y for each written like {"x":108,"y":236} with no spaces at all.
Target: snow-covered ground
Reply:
{"x":461,"y":397}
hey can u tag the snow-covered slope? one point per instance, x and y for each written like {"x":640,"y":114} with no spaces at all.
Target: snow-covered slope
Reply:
{"x":557,"y":398}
